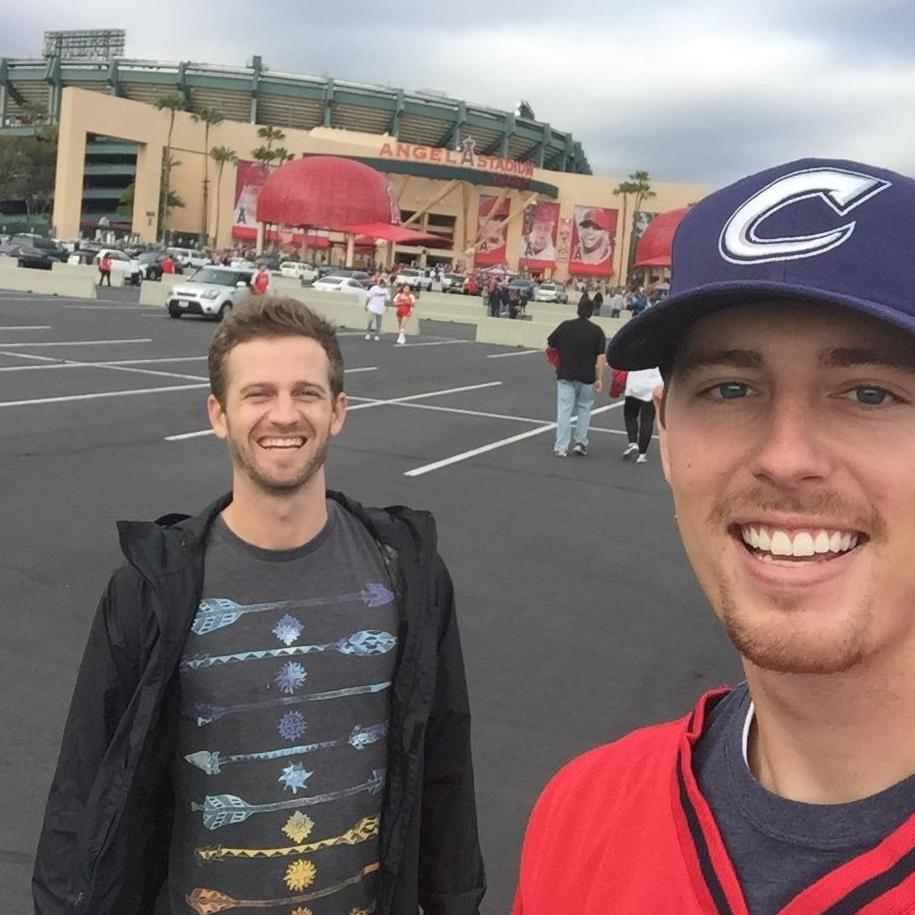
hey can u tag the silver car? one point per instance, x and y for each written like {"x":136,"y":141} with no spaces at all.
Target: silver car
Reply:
{"x":211,"y":291}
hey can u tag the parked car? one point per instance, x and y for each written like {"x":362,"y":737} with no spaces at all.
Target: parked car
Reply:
{"x":413,"y":277}
{"x":364,"y":278}
{"x":51,"y":250}
{"x":189,"y":257}
{"x":127,"y":267}
{"x":551,"y":292}
{"x":38,"y":258}
{"x":211,"y":291}
{"x":151,"y":264}
{"x":453,"y":282}
{"x":241,"y":263}
{"x":299,"y":271}
{"x":526,"y":288}
{"x":343,"y":284}
{"x":270,"y":261}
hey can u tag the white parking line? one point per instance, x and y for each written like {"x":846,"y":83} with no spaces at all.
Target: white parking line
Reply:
{"x":111,"y":307}
{"x":364,"y":403}
{"x":524,"y":352}
{"x":25,"y":327}
{"x":79,"y":342}
{"x":492,"y":446}
{"x":438,"y":343}
{"x":103,"y":394}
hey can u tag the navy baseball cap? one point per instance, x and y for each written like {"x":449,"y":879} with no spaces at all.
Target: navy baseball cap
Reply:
{"x":814,"y":230}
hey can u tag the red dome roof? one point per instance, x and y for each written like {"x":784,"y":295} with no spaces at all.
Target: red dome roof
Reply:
{"x":326,"y":192}
{"x":655,"y":245}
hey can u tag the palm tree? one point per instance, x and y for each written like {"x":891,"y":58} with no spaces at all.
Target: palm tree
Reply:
{"x":638,"y":185}
{"x":220,"y":155}
{"x":172,"y":102}
{"x":210,"y":118}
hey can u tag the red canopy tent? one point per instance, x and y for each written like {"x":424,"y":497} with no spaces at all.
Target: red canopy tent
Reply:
{"x":654,"y":247}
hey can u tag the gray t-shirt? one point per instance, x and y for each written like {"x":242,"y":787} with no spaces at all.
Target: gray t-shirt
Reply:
{"x":780,"y":847}
{"x":282,"y":745}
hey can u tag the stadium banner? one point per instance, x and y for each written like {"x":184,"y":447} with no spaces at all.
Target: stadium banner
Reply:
{"x":491,"y":231}
{"x":593,"y":238}
{"x":564,"y":241}
{"x":640,"y":222}
{"x":538,"y":236}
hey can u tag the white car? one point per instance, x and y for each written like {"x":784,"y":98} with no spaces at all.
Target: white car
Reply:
{"x":299,"y":271}
{"x":189,"y":257}
{"x":413,"y":277}
{"x":121,"y":263}
{"x":211,"y":291}
{"x":344,"y":284}
{"x":551,"y":292}
{"x":241,"y":263}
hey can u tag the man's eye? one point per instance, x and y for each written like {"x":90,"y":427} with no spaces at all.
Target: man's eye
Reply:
{"x":870,"y":396}
{"x":728,"y":390}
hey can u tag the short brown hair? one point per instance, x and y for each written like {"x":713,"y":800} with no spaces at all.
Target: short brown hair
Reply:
{"x":271,"y":316}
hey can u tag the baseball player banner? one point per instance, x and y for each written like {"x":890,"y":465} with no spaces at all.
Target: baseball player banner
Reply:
{"x":538,"y":236}
{"x":491,"y":231}
{"x":564,"y":240}
{"x":593,"y":239}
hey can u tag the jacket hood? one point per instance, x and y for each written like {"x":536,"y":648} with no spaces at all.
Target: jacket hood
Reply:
{"x":172,"y":541}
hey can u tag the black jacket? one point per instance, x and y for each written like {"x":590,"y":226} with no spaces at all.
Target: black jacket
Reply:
{"x":105,"y":841}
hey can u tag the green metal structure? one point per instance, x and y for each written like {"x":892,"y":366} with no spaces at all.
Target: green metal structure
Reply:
{"x":30,"y":92}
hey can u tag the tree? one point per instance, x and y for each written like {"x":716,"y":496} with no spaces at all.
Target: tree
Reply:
{"x":266,"y":154}
{"x":172,"y":102}
{"x":125,"y":201}
{"x":221,"y":155}
{"x":27,"y":170}
{"x":639,"y":187}
{"x":210,"y":118}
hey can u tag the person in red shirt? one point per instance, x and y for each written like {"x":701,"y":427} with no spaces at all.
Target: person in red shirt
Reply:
{"x":260,"y":282}
{"x":104,"y":269}
{"x":787,"y":432}
{"x":403,"y":303}
{"x":168,"y":264}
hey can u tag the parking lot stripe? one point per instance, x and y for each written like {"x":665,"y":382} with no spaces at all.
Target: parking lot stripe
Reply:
{"x":364,"y":403}
{"x":79,"y":342}
{"x":492,"y":446}
{"x":25,"y":327}
{"x":101,"y":395}
{"x":524,"y":352}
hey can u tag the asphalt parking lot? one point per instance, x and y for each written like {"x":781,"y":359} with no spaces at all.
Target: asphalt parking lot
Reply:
{"x":579,"y":616}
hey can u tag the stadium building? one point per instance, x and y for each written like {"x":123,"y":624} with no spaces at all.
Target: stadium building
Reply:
{"x":494,"y":187}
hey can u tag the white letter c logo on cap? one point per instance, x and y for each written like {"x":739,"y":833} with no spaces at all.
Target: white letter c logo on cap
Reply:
{"x":842,"y":190}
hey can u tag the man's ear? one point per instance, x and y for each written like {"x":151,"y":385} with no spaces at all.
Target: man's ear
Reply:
{"x":217,"y":417}
{"x":339,"y":417}
{"x":659,"y":396}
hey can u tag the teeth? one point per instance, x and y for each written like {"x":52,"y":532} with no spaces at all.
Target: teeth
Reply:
{"x":781,"y":544}
{"x":803,"y":544}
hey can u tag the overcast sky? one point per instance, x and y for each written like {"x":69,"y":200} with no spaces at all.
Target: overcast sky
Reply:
{"x":687,"y":89}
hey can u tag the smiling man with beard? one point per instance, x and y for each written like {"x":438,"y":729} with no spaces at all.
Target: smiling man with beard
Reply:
{"x":271,"y":708}
{"x":787,"y":428}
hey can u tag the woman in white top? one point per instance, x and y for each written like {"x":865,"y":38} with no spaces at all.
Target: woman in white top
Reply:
{"x":638,"y":412}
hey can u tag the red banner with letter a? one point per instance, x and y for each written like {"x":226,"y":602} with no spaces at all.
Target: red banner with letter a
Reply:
{"x":490,"y":220}
{"x":593,"y":241}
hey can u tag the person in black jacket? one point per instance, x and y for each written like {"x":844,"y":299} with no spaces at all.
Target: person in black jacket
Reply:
{"x":271,"y":708}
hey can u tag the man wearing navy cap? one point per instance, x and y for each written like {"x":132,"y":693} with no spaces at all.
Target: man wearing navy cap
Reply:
{"x":788,"y":440}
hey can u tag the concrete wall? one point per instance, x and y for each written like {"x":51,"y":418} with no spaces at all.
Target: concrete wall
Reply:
{"x":46,"y":282}
{"x":88,"y":271}
{"x":155,"y":292}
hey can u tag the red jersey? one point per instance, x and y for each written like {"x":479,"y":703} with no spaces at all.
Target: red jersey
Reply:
{"x":105,"y":264}
{"x":168,"y":265}
{"x":260,"y":282}
{"x":624,"y":829}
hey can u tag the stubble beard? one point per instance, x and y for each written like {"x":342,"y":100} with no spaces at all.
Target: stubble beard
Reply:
{"x":270,"y":486}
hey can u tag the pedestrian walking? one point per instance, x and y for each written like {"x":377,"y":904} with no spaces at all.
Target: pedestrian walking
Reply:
{"x":260,"y":281}
{"x":598,"y":302}
{"x":379,"y":296}
{"x":168,"y":264}
{"x":403,"y":302}
{"x":639,"y":412}
{"x":104,"y":269}
{"x":495,"y":298}
{"x":786,"y":424}
{"x":580,"y":345}
{"x":277,"y":676}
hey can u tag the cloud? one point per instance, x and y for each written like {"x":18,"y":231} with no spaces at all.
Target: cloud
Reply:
{"x":688,"y":89}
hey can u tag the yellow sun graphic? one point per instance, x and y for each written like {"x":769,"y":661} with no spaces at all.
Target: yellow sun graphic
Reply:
{"x":298,"y":827}
{"x":300,"y":874}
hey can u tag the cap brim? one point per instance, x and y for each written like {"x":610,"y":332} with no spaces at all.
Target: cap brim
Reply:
{"x":651,"y":338}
